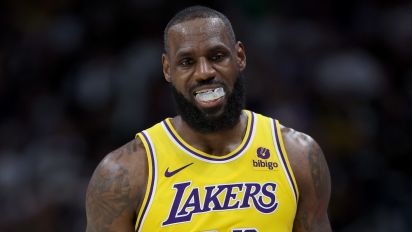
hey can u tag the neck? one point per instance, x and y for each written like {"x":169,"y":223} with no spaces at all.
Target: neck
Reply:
{"x":217,"y":143}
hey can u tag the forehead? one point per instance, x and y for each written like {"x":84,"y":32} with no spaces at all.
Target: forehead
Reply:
{"x":198,"y":33}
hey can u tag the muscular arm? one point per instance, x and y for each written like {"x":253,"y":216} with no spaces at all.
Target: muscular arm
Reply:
{"x":313,"y":179}
{"x":116,"y":188}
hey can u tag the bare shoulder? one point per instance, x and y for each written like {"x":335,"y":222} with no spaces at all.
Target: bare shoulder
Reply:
{"x":312,"y":176}
{"x":307,"y":160}
{"x":116,"y":189}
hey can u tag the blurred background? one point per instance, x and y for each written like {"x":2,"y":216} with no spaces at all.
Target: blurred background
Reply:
{"x":80,"y":78}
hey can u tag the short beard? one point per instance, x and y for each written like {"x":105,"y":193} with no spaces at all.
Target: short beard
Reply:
{"x":207,"y":123}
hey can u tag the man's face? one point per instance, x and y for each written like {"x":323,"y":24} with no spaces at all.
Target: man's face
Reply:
{"x":203,"y":64}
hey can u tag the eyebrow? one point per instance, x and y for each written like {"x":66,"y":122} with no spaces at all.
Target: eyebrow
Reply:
{"x":189,"y":52}
{"x":184,"y":53}
{"x":219,"y":47}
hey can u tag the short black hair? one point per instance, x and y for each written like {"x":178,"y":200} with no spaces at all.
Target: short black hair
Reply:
{"x":195,"y":12}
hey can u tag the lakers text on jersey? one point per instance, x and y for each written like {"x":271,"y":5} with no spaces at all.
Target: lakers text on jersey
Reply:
{"x":248,"y":190}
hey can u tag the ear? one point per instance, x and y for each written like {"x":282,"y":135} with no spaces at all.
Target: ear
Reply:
{"x":166,"y":67}
{"x":240,"y":55}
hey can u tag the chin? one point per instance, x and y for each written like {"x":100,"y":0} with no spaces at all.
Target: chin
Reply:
{"x":213,"y":112}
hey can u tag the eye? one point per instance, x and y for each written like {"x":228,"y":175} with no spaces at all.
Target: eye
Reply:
{"x":186,"y":62}
{"x":217,"y":57}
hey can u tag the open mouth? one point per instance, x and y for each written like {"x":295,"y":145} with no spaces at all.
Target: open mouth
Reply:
{"x":209,"y":95}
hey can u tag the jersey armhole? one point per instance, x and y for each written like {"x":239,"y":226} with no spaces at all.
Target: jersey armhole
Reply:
{"x":151,"y":178}
{"x":284,"y":158}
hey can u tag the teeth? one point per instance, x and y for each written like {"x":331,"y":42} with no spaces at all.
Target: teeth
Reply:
{"x":210,"y":95}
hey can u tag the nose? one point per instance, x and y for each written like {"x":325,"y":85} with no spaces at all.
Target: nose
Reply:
{"x":204,"y":70}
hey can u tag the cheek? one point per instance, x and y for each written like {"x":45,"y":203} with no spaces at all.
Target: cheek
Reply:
{"x":229,"y":72}
{"x":181,"y":85}
{"x":182,"y":77}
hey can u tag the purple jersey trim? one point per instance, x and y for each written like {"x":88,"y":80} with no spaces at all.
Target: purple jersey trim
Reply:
{"x":152,"y":180}
{"x":284,"y":160}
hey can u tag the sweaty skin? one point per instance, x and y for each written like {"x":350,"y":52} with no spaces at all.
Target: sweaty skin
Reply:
{"x":200,"y":49}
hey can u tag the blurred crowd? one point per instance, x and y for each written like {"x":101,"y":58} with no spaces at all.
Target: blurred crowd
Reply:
{"x":80,"y":78}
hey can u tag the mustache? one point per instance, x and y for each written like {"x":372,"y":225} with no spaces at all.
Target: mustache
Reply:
{"x":207,"y":82}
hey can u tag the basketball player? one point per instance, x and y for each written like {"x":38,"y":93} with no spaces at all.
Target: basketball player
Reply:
{"x":214,"y":166}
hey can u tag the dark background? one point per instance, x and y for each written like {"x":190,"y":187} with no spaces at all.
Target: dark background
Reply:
{"x":80,"y":78}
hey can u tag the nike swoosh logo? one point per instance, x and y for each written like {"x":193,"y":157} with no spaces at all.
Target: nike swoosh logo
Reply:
{"x":172,"y":173}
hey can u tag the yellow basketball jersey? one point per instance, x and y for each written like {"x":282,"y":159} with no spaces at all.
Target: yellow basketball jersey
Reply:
{"x":250,"y":189}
